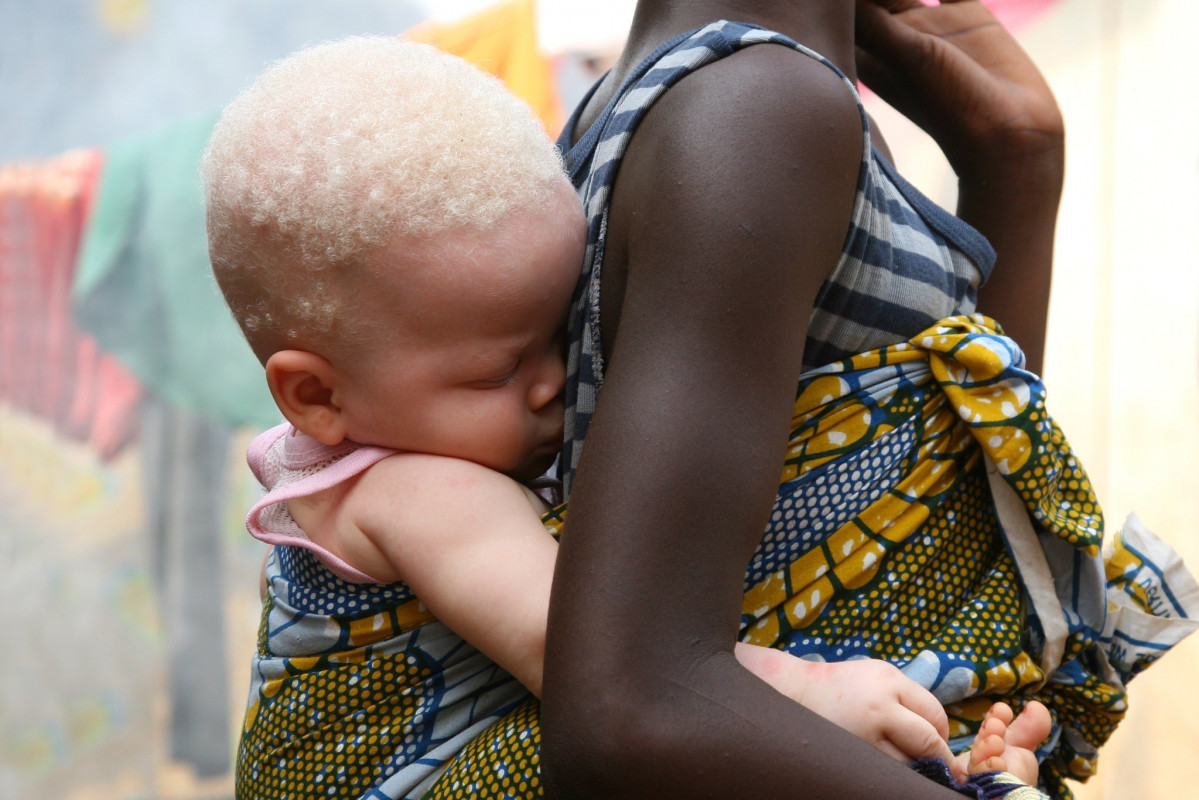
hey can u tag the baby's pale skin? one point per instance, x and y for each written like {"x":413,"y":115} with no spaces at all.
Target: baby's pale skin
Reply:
{"x":473,"y":355}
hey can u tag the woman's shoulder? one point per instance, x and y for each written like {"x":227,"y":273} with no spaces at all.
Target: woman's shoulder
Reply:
{"x":763,"y":120}
{"x":753,"y":70}
{"x":730,"y":71}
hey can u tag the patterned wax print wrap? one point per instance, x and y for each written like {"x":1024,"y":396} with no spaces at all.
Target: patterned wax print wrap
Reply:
{"x":932,"y":514}
{"x":884,"y":543}
{"x":357,"y":691}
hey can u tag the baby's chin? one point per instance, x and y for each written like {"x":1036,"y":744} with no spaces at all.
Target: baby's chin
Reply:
{"x":534,"y":467}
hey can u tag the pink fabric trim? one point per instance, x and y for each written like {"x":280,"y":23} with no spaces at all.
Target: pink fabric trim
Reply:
{"x":256,"y":452}
{"x":300,"y":451}
{"x":306,"y":452}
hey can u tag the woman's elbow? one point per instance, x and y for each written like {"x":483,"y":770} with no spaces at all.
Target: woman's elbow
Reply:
{"x":600,"y":745}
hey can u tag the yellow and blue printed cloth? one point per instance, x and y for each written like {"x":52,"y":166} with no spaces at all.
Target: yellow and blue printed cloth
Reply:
{"x":933,"y":515}
{"x":930,"y":513}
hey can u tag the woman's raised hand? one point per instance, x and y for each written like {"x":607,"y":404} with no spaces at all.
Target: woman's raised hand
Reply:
{"x":954,"y":70}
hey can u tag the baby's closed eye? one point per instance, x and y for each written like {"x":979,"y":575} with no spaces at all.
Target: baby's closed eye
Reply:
{"x":499,"y":379}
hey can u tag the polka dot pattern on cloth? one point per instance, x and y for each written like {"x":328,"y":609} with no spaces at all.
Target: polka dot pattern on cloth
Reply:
{"x":883,"y":543}
{"x":501,"y":764}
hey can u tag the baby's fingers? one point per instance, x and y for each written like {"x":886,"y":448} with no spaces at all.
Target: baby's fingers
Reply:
{"x":921,"y":702}
{"x":893,"y":751}
{"x":913,"y":736}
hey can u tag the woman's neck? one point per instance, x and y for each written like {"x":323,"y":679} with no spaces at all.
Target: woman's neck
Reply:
{"x":826,"y":26}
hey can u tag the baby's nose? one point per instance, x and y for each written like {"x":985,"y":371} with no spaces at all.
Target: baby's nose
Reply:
{"x":549,"y":383}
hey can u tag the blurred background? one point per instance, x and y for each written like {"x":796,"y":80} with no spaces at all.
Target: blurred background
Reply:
{"x":128,"y":584}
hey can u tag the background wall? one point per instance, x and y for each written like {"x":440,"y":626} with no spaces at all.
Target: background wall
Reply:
{"x":127,"y":583}
{"x":1124,"y":318}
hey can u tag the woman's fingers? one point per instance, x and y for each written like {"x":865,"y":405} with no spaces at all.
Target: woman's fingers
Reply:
{"x":894,"y":6}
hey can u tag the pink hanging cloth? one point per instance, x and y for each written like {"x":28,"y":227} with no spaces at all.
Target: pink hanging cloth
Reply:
{"x":48,"y":367}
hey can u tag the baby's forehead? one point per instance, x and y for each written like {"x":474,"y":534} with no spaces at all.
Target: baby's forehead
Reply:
{"x":524,"y":248}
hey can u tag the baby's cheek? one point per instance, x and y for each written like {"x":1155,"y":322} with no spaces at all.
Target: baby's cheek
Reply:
{"x":492,"y":438}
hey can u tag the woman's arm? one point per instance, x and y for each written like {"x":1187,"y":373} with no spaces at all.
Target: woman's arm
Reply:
{"x":730,"y":209}
{"x":954,"y":70}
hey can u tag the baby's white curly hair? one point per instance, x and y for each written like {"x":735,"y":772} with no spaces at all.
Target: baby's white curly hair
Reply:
{"x":341,"y":148}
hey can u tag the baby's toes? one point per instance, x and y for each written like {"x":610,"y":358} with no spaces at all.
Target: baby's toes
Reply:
{"x":987,"y":753}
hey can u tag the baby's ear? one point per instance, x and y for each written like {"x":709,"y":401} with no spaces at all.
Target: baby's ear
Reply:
{"x":302,"y":384}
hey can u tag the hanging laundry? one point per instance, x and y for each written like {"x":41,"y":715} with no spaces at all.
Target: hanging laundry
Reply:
{"x":145,"y":289}
{"x":502,"y":40}
{"x":48,"y":367}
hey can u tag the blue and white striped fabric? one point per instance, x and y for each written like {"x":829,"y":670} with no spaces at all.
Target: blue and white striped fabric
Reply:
{"x":906,"y":262}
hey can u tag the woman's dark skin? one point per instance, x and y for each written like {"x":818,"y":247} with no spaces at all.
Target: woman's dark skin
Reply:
{"x":731,"y":206}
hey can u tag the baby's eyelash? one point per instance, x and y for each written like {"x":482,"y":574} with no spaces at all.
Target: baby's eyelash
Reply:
{"x":502,"y":380}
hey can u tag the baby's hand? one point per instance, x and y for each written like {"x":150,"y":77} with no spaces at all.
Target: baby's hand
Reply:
{"x":871,"y":699}
{"x":1006,"y":745}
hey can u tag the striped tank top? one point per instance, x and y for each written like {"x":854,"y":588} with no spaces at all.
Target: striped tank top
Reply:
{"x":905,"y":264}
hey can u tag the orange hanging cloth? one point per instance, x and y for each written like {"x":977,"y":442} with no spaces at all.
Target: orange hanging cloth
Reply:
{"x":502,"y":40}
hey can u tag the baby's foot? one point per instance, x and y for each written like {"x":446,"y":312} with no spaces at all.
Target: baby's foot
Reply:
{"x":986,"y":754}
{"x":1008,"y":745}
{"x":1029,"y":729}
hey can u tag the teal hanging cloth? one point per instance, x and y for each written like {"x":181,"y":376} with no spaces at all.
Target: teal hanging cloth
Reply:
{"x":144,"y":287}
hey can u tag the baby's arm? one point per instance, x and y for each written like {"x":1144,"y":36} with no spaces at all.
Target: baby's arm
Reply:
{"x":880,"y":705}
{"x":871,"y":699}
{"x":468,"y":542}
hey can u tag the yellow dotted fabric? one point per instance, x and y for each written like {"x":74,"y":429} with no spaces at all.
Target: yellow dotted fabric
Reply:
{"x":883,"y":543}
{"x":500,"y":764}
{"x":359,"y":692}
{"x":330,"y":728}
